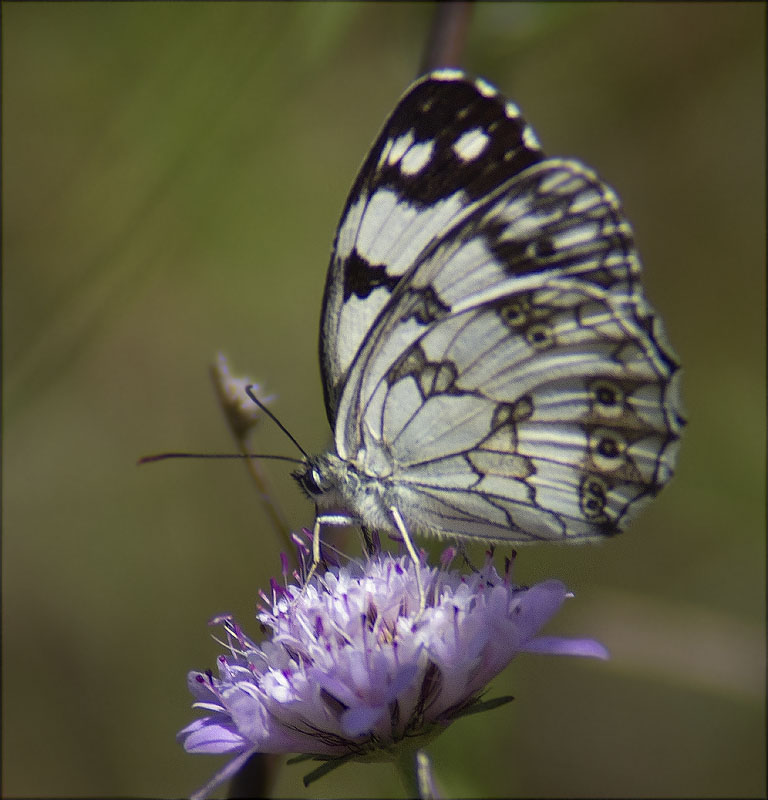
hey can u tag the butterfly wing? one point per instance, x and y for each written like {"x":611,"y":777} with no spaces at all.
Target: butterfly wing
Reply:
{"x":412,"y":187}
{"x":512,"y":383}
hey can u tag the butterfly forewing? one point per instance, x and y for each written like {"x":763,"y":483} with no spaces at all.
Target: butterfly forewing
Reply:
{"x":491,"y":367}
{"x":423,"y":171}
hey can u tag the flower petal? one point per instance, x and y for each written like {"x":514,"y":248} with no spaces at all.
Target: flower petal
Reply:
{"x":212,"y":737}
{"x":560,"y":646}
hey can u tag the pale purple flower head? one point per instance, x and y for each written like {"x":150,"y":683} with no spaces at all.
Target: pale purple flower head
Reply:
{"x":351,"y":669}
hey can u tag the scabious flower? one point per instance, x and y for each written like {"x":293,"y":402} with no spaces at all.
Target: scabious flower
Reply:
{"x":242,"y":413}
{"x":352,"y":669}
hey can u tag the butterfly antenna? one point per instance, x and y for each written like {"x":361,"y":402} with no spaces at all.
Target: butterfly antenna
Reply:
{"x":164,"y":456}
{"x":249,"y":392}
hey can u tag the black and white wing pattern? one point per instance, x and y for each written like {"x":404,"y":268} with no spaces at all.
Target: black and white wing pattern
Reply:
{"x":491,"y":367}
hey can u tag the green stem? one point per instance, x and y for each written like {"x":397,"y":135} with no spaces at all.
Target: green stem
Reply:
{"x":406,"y":766}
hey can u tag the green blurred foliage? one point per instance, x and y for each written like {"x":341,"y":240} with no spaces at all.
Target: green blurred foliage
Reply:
{"x":172,"y":178}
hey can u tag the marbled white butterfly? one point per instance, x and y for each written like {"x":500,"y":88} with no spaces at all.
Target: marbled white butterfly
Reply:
{"x":492,"y":370}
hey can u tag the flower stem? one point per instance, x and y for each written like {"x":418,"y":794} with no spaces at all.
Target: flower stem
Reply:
{"x":406,"y":766}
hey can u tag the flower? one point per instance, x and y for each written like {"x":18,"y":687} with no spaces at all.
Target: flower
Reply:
{"x":351,"y":669}
{"x":242,"y":412}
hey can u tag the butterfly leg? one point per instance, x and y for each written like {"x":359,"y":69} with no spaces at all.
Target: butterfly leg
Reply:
{"x":400,"y":524}
{"x":320,"y":520}
{"x":371,"y":543}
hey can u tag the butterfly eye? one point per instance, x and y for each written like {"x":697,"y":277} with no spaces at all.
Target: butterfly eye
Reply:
{"x":317,"y":481}
{"x":311,"y":481}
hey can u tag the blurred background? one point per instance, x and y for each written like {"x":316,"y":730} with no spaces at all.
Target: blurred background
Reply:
{"x":172,"y":178}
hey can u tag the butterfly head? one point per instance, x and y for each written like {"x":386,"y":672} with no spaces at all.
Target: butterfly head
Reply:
{"x":312,"y":479}
{"x":323,"y":479}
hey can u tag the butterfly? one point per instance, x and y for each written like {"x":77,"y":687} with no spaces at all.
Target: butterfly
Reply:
{"x":491,"y":368}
